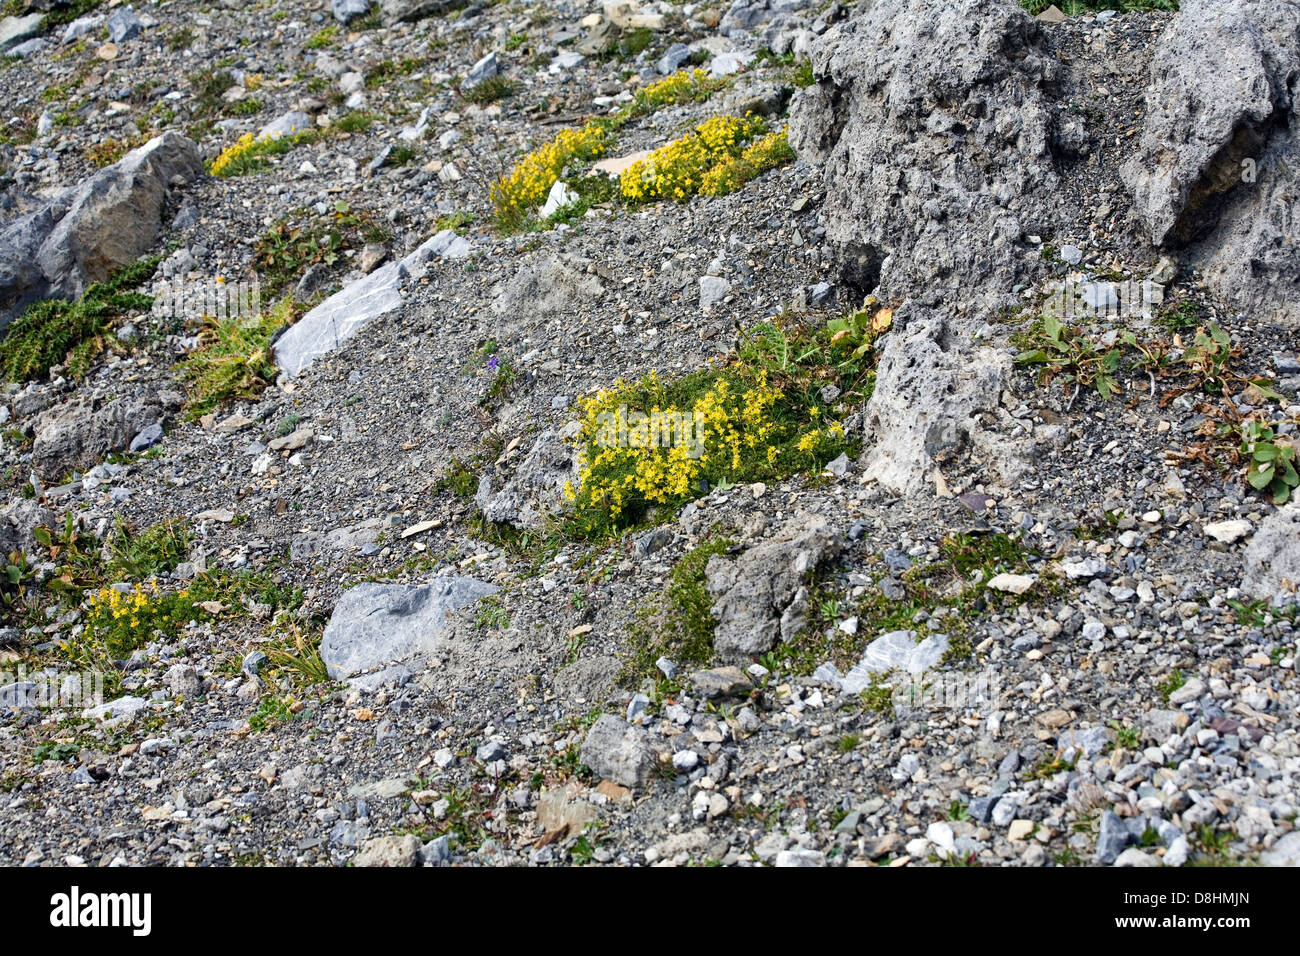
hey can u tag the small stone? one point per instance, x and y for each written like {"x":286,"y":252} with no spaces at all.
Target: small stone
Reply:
{"x":1020,"y":829}
{"x":727,"y":681}
{"x":1228,"y":532}
{"x":1012,"y":583}
{"x":390,"y":851}
{"x":800,"y":857}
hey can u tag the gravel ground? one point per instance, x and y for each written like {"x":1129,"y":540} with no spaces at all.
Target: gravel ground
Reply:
{"x":1139,"y":707}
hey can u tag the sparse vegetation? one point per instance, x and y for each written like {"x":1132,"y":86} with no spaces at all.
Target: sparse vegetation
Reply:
{"x":491,"y":90}
{"x":53,"y":331}
{"x":678,"y":624}
{"x":234,"y":360}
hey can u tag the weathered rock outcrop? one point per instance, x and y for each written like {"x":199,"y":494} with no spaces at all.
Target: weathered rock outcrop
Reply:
{"x":80,"y":433}
{"x":932,"y":120}
{"x":936,"y":391}
{"x":1218,"y":162}
{"x":536,"y":488}
{"x":553,"y":284}
{"x":1272,"y":559}
{"x":759,"y":596}
{"x":107,"y":221}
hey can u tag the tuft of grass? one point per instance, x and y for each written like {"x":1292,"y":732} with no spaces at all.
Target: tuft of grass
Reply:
{"x":491,"y":90}
{"x":64,"y":14}
{"x":109,"y":151}
{"x":233,"y":360}
{"x":357,"y":121}
{"x":139,"y":554}
{"x":296,"y":654}
{"x":54,"y":331}
{"x":323,"y":38}
{"x":492,"y":615}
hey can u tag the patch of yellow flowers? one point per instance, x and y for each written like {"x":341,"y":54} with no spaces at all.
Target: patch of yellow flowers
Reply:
{"x":679,"y":170}
{"x":231,"y":153}
{"x":251,"y":145}
{"x":122,"y":621}
{"x":682,"y":87}
{"x":767,"y":152}
{"x":517,"y":194}
{"x":739,"y":428}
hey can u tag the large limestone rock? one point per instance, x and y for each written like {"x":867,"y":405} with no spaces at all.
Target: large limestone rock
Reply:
{"x":107,"y":221}
{"x":1272,"y":558}
{"x":1218,"y":162}
{"x":938,"y":399}
{"x":14,"y":30}
{"x":80,"y":433}
{"x":760,"y":596}
{"x":341,"y":316}
{"x":379,"y":633}
{"x":932,"y":120}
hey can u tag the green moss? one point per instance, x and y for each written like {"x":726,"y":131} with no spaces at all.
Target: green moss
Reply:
{"x":677,"y":625}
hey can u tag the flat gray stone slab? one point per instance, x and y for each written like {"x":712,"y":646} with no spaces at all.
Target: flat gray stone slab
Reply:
{"x":342,"y":315}
{"x":378,"y":632}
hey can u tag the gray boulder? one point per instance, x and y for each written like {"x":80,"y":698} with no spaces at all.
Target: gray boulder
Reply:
{"x":407,"y":11}
{"x":1272,"y":558}
{"x":378,"y":632}
{"x":1285,"y":852}
{"x":342,"y":315}
{"x":390,"y":851}
{"x":17,"y":522}
{"x":1217,"y":167}
{"x":932,"y":120}
{"x":107,"y":221}
{"x":79,"y":433}
{"x":536,"y":489}
{"x":615,"y":750}
{"x":345,"y":11}
{"x":484,"y":69}
{"x":759,"y":596}
{"x":123,"y":25}
{"x":14,"y":30}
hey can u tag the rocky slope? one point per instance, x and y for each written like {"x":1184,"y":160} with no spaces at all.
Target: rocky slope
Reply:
{"x":1025,"y":619}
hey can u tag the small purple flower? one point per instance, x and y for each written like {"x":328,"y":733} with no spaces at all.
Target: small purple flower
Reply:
{"x":493,"y":363}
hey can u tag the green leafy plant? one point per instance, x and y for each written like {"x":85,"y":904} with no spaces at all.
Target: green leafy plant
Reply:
{"x":1065,"y":352}
{"x":74,"y":333}
{"x":233,"y":360}
{"x":1271,"y":465}
{"x":136,"y":555}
